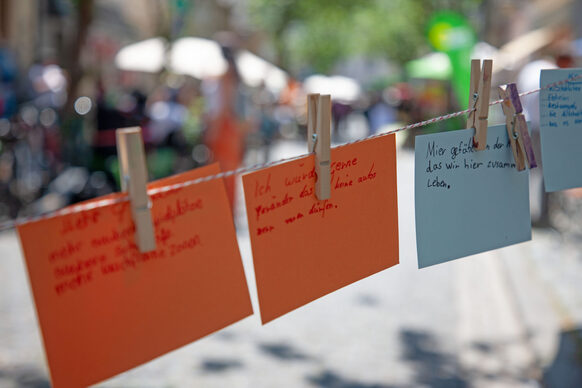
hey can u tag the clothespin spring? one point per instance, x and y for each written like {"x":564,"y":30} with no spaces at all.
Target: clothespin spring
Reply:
{"x":475,"y":100}
{"x":514,"y":133}
{"x":313,"y":142}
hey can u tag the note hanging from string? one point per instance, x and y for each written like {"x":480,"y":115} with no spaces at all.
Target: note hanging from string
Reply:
{"x":103,"y":307}
{"x":304,"y":248}
{"x":468,"y":201}
{"x":561,"y":129}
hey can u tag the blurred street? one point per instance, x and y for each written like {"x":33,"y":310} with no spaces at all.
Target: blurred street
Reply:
{"x":507,"y":318}
{"x":227,"y":82}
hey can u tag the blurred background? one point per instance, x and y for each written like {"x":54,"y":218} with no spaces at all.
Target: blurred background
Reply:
{"x":226,"y":81}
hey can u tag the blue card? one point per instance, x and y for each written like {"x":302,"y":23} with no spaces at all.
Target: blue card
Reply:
{"x":561,"y":129}
{"x":468,"y":201}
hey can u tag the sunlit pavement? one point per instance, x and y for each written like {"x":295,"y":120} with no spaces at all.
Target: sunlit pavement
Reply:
{"x":507,"y":318}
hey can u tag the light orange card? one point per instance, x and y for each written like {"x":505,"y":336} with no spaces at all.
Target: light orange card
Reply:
{"x":304,"y":248}
{"x":103,"y":307}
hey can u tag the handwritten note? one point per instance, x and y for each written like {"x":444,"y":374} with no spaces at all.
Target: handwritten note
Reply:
{"x":467,"y":201}
{"x":304,"y":248}
{"x":561,"y":129}
{"x":104,"y":307}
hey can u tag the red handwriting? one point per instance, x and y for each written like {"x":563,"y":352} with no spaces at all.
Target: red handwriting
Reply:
{"x":264,"y":230}
{"x":300,"y":177}
{"x":163,"y":235}
{"x":177,"y":209}
{"x":113,"y":236}
{"x":73,"y":284}
{"x":371,"y":175}
{"x":120,"y":209}
{"x":189,"y":243}
{"x":306,"y":192}
{"x":80,"y":265}
{"x":340,"y":184}
{"x":290,"y":220}
{"x":262,"y":210}
{"x":321,"y":208}
{"x":130,"y":253}
{"x":112,"y":268}
{"x":65,"y":251}
{"x":341,"y":165}
{"x":263,"y":189}
{"x":81,"y":221}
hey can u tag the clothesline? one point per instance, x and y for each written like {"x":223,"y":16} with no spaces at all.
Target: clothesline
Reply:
{"x":110,"y":201}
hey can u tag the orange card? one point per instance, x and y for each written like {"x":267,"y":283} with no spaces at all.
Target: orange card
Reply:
{"x":304,"y":248}
{"x":104,"y":307}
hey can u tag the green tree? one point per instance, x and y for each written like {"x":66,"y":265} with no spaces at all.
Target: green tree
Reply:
{"x":317,"y":34}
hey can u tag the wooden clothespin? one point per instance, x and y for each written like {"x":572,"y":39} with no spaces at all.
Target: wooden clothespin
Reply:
{"x":511,"y":125}
{"x":134,"y":178}
{"x":480,"y":88}
{"x":521,"y":144}
{"x":319,"y":140}
{"x":523,"y":140}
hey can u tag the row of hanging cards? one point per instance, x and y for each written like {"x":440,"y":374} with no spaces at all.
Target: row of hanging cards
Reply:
{"x":104,"y":307}
{"x":561,"y":128}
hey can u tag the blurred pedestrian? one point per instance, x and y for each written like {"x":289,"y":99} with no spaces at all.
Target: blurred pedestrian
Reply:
{"x":379,"y":113}
{"x":226,"y":117}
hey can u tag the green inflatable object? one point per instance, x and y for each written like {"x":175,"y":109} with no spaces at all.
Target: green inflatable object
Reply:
{"x":432,"y":66}
{"x":450,"y":33}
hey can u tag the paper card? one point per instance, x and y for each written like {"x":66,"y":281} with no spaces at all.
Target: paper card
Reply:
{"x":304,"y":248}
{"x":467,"y":201}
{"x":561,"y":129}
{"x":103,"y":307}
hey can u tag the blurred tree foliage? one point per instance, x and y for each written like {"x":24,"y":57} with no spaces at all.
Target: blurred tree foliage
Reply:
{"x":320,"y":33}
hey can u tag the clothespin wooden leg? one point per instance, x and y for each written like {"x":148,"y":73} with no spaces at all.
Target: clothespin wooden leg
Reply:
{"x":323,"y":148}
{"x":524,"y":140}
{"x":134,"y":178}
{"x":510,"y":124}
{"x":473,"y":91}
{"x":479,"y":100}
{"x":312,"y":100}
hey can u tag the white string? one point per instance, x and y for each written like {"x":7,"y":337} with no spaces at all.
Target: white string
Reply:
{"x":243,"y":170}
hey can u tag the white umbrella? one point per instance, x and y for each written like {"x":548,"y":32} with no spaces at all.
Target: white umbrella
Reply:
{"x":254,"y":70}
{"x":199,"y":58}
{"x":196,"y":57}
{"x":339,"y":87}
{"x":147,"y":56}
